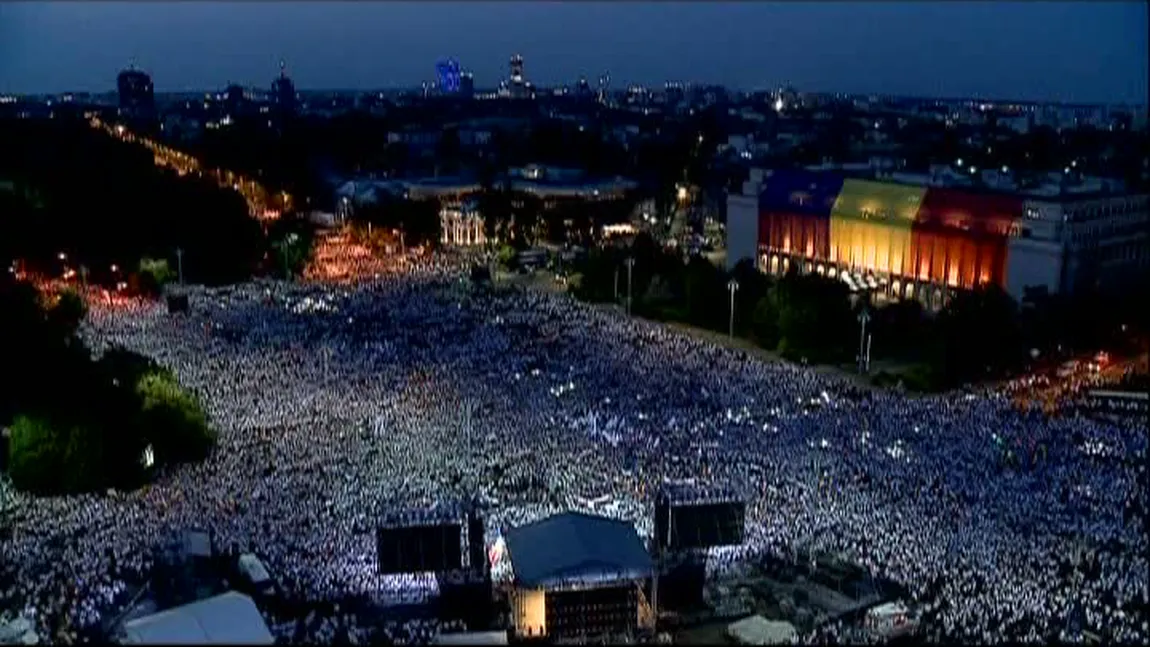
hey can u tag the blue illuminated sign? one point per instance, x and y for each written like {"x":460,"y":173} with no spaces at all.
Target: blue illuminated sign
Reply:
{"x":448,"y":74}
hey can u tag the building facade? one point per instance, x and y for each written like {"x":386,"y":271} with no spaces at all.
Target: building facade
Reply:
{"x":925,"y":242}
{"x":461,"y":225}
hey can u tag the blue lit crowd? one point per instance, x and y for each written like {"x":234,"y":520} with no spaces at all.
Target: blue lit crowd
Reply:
{"x":337,"y":404}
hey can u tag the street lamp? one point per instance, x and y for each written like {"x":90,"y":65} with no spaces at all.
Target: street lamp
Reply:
{"x":180,"y":265}
{"x":732,"y":286}
{"x":630,"y":266}
{"x":863,"y":356}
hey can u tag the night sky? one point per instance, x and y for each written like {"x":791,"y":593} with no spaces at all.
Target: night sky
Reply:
{"x":1087,"y":51}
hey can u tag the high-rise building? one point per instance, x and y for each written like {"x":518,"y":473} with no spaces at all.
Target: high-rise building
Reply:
{"x":235,"y":99}
{"x":448,"y":76}
{"x":604,"y":87}
{"x":517,"y":83}
{"x":283,"y":93}
{"x":137,"y":97}
{"x":517,"y":69}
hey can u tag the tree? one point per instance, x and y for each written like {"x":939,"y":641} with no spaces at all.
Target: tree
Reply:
{"x":527,"y":208}
{"x":173,"y":420}
{"x":36,"y":455}
{"x":978,"y":336}
{"x":507,"y":257}
{"x":705,"y":294}
{"x":814,"y":316}
{"x":419,"y":220}
{"x":900,"y":329}
{"x":292,"y":243}
{"x":153,"y":275}
{"x":765,"y":322}
{"x":495,"y":207}
{"x":658,"y":299}
{"x":67,"y":313}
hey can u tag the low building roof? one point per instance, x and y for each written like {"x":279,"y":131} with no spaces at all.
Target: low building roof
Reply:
{"x":472,"y":638}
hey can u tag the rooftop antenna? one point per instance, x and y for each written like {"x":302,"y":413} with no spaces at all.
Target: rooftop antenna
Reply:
{"x":283,"y":71}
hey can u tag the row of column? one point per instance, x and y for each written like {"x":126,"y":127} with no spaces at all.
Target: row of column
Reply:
{"x":957,"y":259}
{"x":462,"y":230}
{"x":932,"y":295}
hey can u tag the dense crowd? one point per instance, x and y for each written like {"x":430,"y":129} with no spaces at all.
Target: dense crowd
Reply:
{"x":338,"y":404}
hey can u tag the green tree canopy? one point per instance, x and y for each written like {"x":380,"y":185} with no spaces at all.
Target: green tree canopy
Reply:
{"x":173,"y":420}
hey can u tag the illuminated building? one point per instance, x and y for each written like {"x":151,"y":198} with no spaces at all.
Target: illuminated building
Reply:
{"x":448,"y":76}
{"x":136,"y":94}
{"x":466,"y":85}
{"x":517,"y":86}
{"x":576,"y":576}
{"x":461,"y":225}
{"x":909,"y":241}
{"x":516,"y":69}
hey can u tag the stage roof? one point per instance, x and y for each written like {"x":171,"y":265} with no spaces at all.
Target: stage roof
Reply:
{"x":227,"y":619}
{"x":574,"y":547}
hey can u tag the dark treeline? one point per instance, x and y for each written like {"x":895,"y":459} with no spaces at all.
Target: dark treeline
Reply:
{"x":69,"y":188}
{"x":78,"y":424}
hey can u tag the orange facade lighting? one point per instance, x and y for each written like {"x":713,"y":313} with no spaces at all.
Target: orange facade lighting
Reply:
{"x":932,"y":235}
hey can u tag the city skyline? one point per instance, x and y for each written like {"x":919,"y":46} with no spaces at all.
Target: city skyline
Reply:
{"x":1047,"y":52}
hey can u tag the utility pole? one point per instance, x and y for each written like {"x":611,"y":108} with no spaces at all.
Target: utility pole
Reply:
{"x":630,"y":266}
{"x":616,"y":284}
{"x":864,"y":317}
{"x":84,"y":278}
{"x":732,"y":286}
{"x":180,"y":265}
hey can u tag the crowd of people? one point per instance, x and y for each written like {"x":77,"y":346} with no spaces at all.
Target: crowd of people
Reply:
{"x":338,"y":404}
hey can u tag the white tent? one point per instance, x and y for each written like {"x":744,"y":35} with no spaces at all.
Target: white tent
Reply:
{"x":757,"y":630}
{"x":472,"y":638}
{"x":228,"y":618}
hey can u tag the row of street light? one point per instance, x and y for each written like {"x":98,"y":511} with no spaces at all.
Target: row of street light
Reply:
{"x":629,"y":262}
